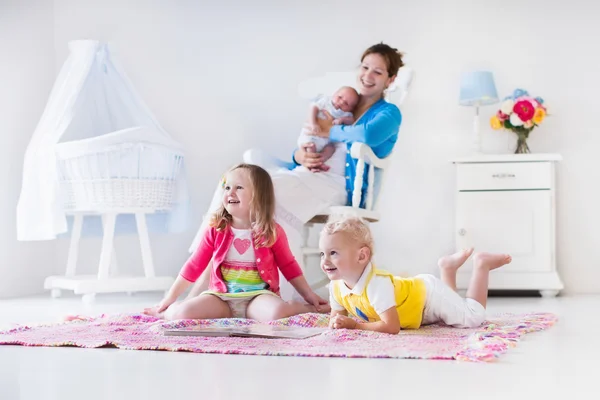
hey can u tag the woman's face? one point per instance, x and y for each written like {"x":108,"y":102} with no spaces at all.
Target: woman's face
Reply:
{"x":373,"y":76}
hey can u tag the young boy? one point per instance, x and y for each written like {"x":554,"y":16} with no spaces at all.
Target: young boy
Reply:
{"x":386,"y":303}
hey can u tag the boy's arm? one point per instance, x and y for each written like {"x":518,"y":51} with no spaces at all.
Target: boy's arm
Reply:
{"x":390,"y":323}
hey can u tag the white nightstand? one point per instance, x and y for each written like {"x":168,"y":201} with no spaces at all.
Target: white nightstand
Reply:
{"x":505,"y":203}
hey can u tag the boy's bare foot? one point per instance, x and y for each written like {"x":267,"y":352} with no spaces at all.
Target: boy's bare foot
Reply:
{"x":456,"y":260}
{"x":490,"y":261}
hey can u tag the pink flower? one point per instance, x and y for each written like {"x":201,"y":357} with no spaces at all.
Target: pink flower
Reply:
{"x":501,"y":116}
{"x":524,"y":109}
{"x":533,"y":101}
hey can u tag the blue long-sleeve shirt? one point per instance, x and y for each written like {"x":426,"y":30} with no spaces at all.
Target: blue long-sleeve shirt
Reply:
{"x":377,"y":128}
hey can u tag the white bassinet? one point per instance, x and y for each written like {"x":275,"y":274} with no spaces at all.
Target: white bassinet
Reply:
{"x":98,"y":151}
{"x":130,"y":171}
{"x":115,"y":173}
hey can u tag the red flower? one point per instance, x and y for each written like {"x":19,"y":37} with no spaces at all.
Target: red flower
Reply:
{"x":524,"y":109}
{"x":501,"y":116}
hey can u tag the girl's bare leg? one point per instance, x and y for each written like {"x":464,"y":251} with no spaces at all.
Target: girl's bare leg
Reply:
{"x":267,"y":307}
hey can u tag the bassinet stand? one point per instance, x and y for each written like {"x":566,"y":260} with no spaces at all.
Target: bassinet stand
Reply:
{"x":108,"y":280}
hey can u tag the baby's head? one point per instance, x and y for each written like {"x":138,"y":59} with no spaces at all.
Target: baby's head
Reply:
{"x":345,"y":99}
{"x":346,"y":246}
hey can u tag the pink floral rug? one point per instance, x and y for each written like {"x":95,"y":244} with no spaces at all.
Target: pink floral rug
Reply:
{"x":140,"y":332}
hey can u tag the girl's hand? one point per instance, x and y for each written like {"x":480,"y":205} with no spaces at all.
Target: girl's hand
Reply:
{"x":320,"y":304}
{"x":157,"y":311}
{"x":306,"y":155}
{"x":342,"y":322}
{"x":164,"y":304}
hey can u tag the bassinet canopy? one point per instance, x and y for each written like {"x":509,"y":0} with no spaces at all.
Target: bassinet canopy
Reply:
{"x":98,"y":148}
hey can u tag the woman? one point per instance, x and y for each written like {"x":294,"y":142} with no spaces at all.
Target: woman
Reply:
{"x":377,"y":121}
{"x":302,"y":194}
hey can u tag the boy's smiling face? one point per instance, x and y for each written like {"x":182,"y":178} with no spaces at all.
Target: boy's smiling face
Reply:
{"x":342,"y":257}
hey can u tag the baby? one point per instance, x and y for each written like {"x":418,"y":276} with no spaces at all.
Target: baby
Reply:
{"x":340,"y":106}
{"x":386,"y":303}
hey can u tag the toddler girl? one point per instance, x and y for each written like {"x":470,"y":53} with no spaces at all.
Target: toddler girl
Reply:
{"x":248,"y":249}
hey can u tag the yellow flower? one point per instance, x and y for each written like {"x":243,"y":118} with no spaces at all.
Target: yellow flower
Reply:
{"x":496,"y":123}
{"x":539,"y":116}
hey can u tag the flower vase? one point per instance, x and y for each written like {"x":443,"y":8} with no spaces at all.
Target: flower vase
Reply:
{"x":522,"y":147}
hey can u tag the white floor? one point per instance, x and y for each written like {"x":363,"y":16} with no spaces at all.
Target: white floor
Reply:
{"x":558,"y":362}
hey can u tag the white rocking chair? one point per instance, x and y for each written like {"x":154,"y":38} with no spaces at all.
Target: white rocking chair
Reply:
{"x":395,"y":94}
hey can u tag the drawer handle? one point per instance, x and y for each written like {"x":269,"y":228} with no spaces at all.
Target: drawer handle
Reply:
{"x":502,"y":176}
{"x":462,"y":232}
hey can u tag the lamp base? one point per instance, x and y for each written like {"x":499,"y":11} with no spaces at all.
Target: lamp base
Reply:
{"x":476,"y":146}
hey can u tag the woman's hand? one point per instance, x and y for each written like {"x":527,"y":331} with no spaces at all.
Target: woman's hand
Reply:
{"x":324,"y":125}
{"x":307,"y":156}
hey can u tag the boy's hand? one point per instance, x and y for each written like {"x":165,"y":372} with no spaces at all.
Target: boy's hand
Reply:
{"x":337,"y":121}
{"x":342,"y":322}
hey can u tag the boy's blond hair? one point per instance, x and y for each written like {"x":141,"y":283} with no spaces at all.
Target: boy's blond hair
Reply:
{"x":356,"y":228}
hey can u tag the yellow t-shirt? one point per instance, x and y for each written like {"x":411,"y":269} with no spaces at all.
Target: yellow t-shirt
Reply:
{"x":409,"y":296}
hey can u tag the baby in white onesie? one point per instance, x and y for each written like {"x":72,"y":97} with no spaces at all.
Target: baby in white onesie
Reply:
{"x":340,"y":106}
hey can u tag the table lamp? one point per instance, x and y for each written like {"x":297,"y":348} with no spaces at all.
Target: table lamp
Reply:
{"x":477,"y":89}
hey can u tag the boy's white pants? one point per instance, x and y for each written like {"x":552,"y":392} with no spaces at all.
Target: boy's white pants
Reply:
{"x":443,"y":304}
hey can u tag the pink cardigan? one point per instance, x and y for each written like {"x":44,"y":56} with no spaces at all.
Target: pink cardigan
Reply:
{"x":215,"y":245}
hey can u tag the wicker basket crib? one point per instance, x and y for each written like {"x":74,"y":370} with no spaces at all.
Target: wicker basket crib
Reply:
{"x":123,"y":172}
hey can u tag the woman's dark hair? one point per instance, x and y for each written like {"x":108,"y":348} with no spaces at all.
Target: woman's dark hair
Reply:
{"x":392,"y":57}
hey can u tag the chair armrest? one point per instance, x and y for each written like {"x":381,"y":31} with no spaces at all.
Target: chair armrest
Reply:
{"x":365,"y":155}
{"x":361,"y":151}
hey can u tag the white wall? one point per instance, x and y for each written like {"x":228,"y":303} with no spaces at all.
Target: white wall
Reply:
{"x":227,"y":72}
{"x":26,"y":77}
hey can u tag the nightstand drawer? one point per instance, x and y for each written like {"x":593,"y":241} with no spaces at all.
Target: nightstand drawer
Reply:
{"x":504,"y":176}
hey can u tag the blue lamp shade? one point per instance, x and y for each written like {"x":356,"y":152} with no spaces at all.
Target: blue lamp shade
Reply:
{"x":477,"y":88}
